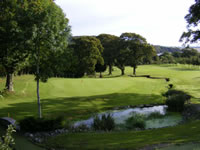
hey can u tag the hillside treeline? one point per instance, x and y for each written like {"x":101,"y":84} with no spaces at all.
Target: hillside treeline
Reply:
{"x":185,"y":56}
{"x":162,"y":49}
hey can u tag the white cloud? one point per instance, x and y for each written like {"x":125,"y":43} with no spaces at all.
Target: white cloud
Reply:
{"x":159,"y":21}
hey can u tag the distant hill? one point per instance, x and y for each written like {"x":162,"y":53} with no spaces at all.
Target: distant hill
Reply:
{"x":197,"y":48}
{"x":162,"y":49}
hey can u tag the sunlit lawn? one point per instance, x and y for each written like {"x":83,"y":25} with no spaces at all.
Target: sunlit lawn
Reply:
{"x":80,"y":98}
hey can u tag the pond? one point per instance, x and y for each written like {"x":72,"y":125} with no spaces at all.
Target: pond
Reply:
{"x":161,"y":118}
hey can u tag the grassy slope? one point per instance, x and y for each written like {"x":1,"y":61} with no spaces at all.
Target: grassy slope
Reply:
{"x":79,"y":98}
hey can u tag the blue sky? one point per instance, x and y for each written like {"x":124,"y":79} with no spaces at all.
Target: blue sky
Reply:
{"x":161,"y":22}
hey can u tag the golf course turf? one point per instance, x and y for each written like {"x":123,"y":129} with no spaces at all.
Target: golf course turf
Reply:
{"x":77,"y":99}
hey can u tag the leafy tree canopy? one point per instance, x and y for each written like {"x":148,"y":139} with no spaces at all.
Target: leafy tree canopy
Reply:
{"x":88,"y":51}
{"x":137,"y":47}
{"x":193,"y":20}
{"x":110,"y":44}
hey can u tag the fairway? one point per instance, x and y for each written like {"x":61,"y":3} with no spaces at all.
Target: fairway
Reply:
{"x":79,"y":98}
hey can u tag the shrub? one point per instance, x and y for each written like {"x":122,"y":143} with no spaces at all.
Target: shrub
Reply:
{"x":176,"y":92}
{"x":135,"y":121}
{"x":105,"y":122}
{"x":7,"y":141}
{"x":176,"y":103}
{"x":176,"y":100}
{"x":32,"y":124}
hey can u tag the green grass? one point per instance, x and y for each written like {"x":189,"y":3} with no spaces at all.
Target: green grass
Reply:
{"x":129,"y":139}
{"x":80,"y":98}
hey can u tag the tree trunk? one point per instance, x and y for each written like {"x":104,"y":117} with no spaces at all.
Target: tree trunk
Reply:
{"x":38,"y":98}
{"x":122,"y":72}
{"x":110,"y":69}
{"x":38,"y":82}
{"x":9,"y":82}
{"x":100,"y":76}
{"x":134,"y":71}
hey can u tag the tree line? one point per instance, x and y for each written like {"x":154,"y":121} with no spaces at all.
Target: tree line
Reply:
{"x":90,"y":54}
{"x":185,"y":56}
{"x":35,"y":38}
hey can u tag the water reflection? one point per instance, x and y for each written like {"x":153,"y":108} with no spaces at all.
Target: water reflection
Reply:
{"x":121,"y":115}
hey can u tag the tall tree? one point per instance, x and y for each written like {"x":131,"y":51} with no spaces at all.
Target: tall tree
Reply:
{"x":110,"y":44}
{"x":122,"y":59}
{"x":50,"y":33}
{"x":99,"y":67}
{"x":193,"y":20}
{"x":14,"y":36}
{"x":138,"y":49}
{"x":88,"y":51}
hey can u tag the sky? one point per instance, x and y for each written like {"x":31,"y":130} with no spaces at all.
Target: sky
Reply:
{"x":161,"y":22}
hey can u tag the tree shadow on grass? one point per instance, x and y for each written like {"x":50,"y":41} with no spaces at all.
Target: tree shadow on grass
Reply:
{"x":76,"y":108}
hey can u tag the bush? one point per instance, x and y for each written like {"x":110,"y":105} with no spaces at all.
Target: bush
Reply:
{"x":105,"y":122}
{"x":135,"y":121}
{"x":176,"y":100}
{"x":176,"y":103}
{"x":176,"y":92}
{"x":7,"y":141}
{"x":32,"y":124}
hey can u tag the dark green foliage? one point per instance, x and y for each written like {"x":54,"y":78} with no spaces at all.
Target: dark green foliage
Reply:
{"x":14,"y":28}
{"x":138,"y":50}
{"x":189,"y":52}
{"x":7,"y":141}
{"x":162,"y":49}
{"x":100,"y":68}
{"x":110,"y":44}
{"x":193,"y":20}
{"x":2,"y":71}
{"x":185,"y":56}
{"x":176,"y":103}
{"x":121,"y":60}
{"x":87,"y":50}
{"x":32,"y":124}
{"x":135,"y":121}
{"x":167,"y":58}
{"x":176,"y":92}
{"x":176,"y":100}
{"x":105,"y":123}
